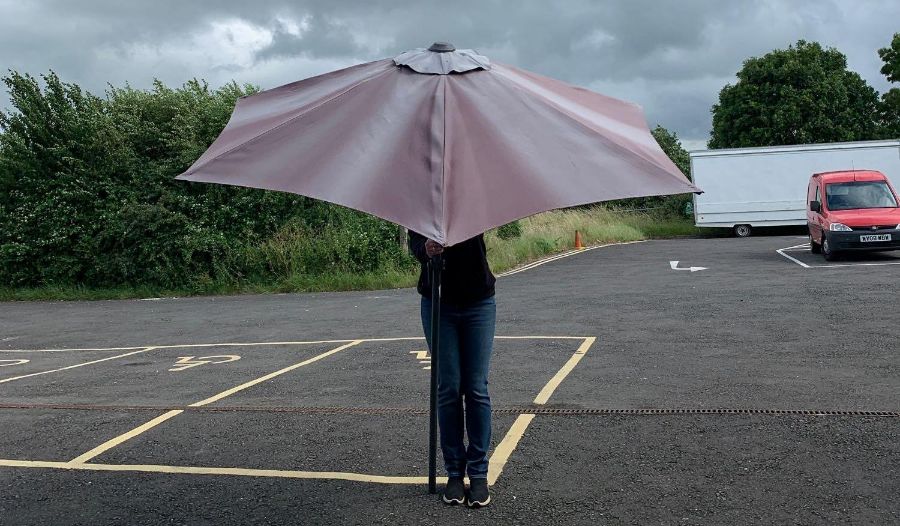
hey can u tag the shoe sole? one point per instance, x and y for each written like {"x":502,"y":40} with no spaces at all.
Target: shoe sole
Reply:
{"x":452,"y":502}
{"x":477,"y":504}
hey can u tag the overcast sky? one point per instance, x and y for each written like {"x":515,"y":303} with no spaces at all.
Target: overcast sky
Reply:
{"x":671,"y":57}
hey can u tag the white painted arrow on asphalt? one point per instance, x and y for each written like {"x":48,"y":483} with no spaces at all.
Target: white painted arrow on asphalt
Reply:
{"x":674,"y":265}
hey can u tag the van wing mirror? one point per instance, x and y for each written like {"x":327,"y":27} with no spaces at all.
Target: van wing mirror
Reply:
{"x":815,"y":206}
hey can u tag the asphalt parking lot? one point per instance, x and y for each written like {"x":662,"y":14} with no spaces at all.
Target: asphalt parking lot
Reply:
{"x":628,"y":389}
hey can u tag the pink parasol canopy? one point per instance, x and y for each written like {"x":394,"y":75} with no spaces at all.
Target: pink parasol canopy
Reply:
{"x":440,"y":141}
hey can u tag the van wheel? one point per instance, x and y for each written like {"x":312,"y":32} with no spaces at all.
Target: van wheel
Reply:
{"x":814,"y":247}
{"x":829,"y":254}
{"x":742,"y":230}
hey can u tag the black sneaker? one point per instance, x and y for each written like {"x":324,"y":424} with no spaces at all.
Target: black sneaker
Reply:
{"x":479,"y":496}
{"x":455,"y":491}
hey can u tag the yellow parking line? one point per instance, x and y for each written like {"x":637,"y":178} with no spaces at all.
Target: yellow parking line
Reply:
{"x":254,"y":344}
{"x":179,"y":346}
{"x":557,"y":379}
{"x":142,"y":350}
{"x":109,"y":444}
{"x":562,"y":255}
{"x":497,"y":462}
{"x":201,"y":470}
{"x":506,"y":446}
{"x":269,"y":376}
{"x":540,"y":337}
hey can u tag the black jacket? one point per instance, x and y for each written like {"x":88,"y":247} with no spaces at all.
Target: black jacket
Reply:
{"x":466,"y":277}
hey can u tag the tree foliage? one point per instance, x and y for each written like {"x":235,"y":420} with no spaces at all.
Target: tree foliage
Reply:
{"x":510,"y":230}
{"x":88,"y":196}
{"x":802,"y":94}
{"x":891,"y":57}
{"x":670,"y":144}
{"x":889,"y":109}
{"x":889,"y":113}
{"x":672,"y":205}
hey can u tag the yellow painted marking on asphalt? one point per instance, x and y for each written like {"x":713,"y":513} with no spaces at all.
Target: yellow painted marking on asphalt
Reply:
{"x":509,"y":443}
{"x":202,"y":470}
{"x":421,"y":338}
{"x":162,"y":418}
{"x":251,"y":383}
{"x":109,"y":444}
{"x":496,"y":462}
{"x":8,"y":363}
{"x":420,"y":355}
{"x":253,"y":344}
{"x":560,"y":375}
{"x":506,"y":446}
{"x":184,"y":346}
{"x":562,"y":255}
{"x":423,"y":358}
{"x":187,"y":362}
{"x":142,"y":350}
{"x":539,"y":337}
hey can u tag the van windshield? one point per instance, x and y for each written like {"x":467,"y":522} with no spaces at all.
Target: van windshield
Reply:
{"x":868,"y":194}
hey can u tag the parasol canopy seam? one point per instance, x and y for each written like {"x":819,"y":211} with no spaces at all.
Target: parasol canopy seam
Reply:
{"x":444,"y":160}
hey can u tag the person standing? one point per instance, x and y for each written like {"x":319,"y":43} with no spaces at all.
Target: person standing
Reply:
{"x":467,"y":323}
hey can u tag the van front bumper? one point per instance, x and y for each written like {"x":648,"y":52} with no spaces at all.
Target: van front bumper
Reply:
{"x":841,"y":241}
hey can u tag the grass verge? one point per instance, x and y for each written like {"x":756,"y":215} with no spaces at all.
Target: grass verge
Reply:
{"x":541,"y":235}
{"x":554,"y":232}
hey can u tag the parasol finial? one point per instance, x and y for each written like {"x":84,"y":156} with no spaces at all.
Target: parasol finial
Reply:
{"x":442,"y":47}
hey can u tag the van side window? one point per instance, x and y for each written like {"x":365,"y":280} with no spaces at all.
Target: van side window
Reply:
{"x":818,"y":196}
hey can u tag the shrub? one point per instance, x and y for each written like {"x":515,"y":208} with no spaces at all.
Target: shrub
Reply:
{"x":510,"y":230}
{"x":88,"y":197}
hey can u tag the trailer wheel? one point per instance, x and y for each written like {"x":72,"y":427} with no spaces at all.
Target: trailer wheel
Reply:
{"x":742,"y":230}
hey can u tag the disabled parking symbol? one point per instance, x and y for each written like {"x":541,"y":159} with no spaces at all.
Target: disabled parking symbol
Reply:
{"x":186,"y":362}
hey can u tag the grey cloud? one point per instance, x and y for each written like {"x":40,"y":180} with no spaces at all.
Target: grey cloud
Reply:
{"x":670,"y":57}
{"x":322,"y":38}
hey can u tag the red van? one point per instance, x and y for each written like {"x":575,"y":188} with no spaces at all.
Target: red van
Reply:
{"x":852,"y":210}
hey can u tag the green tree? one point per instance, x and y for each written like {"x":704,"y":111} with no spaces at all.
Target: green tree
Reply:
{"x":802,"y":94}
{"x":670,"y":144}
{"x":674,"y":204}
{"x":890,"y":114}
{"x":891,"y":57}
{"x":889,"y":108}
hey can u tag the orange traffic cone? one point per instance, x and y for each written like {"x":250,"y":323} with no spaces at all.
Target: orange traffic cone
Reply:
{"x":578,"y":244}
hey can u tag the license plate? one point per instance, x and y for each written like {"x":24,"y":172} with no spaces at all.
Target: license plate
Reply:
{"x":875,"y":237}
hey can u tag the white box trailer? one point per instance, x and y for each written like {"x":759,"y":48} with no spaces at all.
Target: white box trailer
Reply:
{"x":749,"y":187}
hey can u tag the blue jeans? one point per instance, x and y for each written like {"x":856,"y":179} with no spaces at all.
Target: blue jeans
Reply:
{"x":466,"y":341}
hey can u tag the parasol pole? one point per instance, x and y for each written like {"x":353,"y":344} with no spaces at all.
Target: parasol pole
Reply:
{"x":435,"y":266}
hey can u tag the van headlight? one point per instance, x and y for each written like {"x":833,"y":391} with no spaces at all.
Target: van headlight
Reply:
{"x":840,"y":227}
